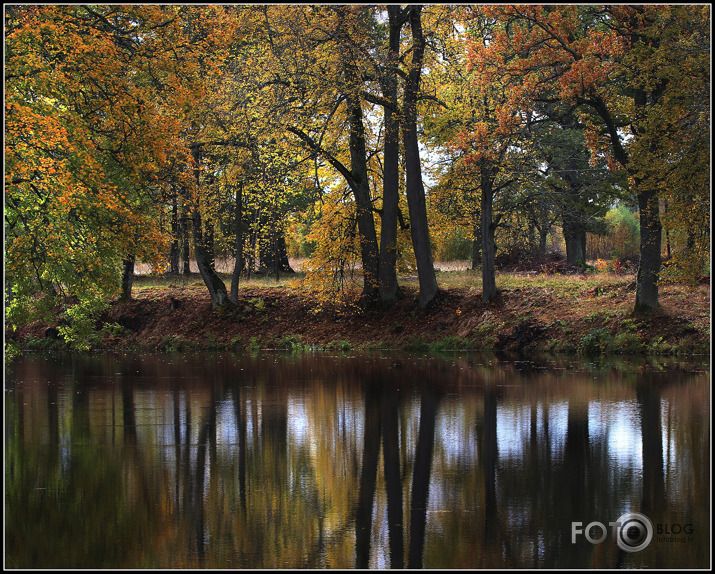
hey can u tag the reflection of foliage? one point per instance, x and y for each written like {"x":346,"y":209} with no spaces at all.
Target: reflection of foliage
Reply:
{"x":267,"y":475}
{"x":74,"y":519}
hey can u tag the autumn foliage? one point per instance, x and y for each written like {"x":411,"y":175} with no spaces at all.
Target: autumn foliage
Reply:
{"x":140,"y":132}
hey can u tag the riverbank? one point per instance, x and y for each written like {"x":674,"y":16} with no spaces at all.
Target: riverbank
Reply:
{"x":535,"y":312}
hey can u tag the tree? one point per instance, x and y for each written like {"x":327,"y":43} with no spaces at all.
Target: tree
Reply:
{"x":388,"y":286}
{"x":84,"y":148}
{"x":413,"y":167}
{"x":455,"y":199}
{"x":202,"y":249}
{"x":580,"y":189}
{"x":248,"y":180}
{"x":365,"y":72}
{"x":605,"y":60}
{"x":488,"y":139}
{"x":318,"y":85}
{"x":675,"y":145}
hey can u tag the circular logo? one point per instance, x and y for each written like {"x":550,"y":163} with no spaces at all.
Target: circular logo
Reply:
{"x":635,"y":532}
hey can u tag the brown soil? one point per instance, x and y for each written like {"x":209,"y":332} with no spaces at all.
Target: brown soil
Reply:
{"x":520,"y":320}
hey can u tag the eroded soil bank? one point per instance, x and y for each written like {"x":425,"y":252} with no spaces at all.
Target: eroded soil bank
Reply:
{"x":528,"y":317}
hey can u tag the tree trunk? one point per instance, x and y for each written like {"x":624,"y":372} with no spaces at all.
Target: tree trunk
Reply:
{"x":276,"y":258}
{"x":238,"y":265}
{"x":573,"y":216}
{"x":413,"y":169}
{"x":217,"y":290}
{"x":361,"y":190}
{"x":668,"y":254}
{"x":283,"y":254}
{"x":253,"y":243}
{"x":174,"y":253}
{"x":273,"y":254}
{"x":476,"y":243}
{"x":184,"y":231}
{"x":389,"y":288}
{"x":209,"y":251}
{"x":574,"y":237}
{"x":127,"y":278}
{"x":650,"y":246}
{"x":543,"y":233}
{"x":489,"y":286}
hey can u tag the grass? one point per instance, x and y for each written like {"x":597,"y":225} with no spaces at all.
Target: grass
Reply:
{"x":194,"y":281}
{"x":556,"y":285}
{"x":449,"y":274}
{"x":589,"y":313}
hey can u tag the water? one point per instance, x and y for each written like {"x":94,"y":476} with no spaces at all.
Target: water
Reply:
{"x":368,"y":461}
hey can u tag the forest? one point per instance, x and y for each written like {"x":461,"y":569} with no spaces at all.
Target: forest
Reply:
{"x":369,"y":141}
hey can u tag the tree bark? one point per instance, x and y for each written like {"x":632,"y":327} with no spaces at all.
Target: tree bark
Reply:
{"x":489,"y":286}
{"x":127,"y":278}
{"x":174,"y":254}
{"x":361,"y":190}
{"x":216,"y":287}
{"x":251,"y":262}
{"x":209,"y":243}
{"x":389,"y":288}
{"x":413,"y":169}
{"x":273,"y":254}
{"x":214,"y":284}
{"x":543,"y":233}
{"x":238,"y":265}
{"x":184,"y":232}
{"x":650,"y":247}
{"x":283,"y":254}
{"x":574,"y":237}
{"x":477,"y":242}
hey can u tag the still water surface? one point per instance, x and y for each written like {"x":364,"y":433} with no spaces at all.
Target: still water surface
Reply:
{"x":368,"y":461}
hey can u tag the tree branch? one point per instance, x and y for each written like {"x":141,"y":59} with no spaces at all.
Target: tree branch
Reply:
{"x":317,"y":148}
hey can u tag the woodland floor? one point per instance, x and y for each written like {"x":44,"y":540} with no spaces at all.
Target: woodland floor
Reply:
{"x":542,"y":306}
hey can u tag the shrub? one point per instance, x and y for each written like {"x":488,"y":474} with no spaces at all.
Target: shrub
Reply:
{"x":171,"y":343}
{"x":624,"y":231}
{"x":113,"y":330}
{"x":627,"y":343}
{"x":451,"y":343}
{"x":596,"y":342}
{"x":454,"y":245}
{"x":341,"y":345}
{"x":660,"y":347}
{"x":621,"y":240}
{"x":80,"y":331}
{"x":289,"y":343}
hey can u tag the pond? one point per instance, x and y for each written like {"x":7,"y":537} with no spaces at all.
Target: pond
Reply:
{"x":315,"y":460}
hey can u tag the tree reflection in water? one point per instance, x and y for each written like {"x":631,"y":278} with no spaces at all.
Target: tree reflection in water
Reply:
{"x":274,"y":461}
